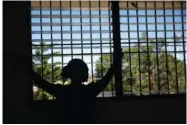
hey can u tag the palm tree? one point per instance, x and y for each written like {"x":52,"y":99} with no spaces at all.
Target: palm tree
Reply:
{"x":49,"y":72}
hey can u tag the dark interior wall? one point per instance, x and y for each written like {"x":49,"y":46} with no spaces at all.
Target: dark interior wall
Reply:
{"x":143,"y":110}
{"x":17,"y":106}
{"x":16,"y":39}
{"x":164,"y":109}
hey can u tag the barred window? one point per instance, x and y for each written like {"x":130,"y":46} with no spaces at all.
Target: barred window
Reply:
{"x":152,"y":36}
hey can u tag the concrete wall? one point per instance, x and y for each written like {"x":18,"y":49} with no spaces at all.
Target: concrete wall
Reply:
{"x":17,"y":88}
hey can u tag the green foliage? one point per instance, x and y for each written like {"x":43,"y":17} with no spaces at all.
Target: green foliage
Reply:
{"x":106,"y":63}
{"x":133,"y":71}
{"x":51,"y":73}
{"x":146,"y":70}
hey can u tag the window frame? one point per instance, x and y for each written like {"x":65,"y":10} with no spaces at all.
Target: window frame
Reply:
{"x":117,"y":37}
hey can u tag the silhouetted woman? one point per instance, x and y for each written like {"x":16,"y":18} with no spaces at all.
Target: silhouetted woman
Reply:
{"x":76,"y":102}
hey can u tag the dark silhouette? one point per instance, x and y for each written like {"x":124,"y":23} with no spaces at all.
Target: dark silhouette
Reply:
{"x":76,"y":102}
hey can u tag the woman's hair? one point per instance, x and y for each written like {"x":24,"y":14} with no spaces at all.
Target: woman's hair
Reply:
{"x":74,"y":67}
{"x":65,"y":74}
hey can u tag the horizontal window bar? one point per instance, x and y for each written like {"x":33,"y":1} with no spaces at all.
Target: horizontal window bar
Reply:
{"x":77,"y":32}
{"x":70,"y":24}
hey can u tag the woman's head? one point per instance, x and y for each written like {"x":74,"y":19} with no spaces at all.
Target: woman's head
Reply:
{"x":76,"y":70}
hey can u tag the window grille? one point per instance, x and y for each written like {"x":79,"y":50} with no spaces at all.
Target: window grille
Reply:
{"x":153,"y":30}
{"x":152,"y":35}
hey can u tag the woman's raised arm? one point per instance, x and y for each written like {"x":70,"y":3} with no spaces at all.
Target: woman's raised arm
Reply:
{"x":99,"y":86}
{"x":41,"y":83}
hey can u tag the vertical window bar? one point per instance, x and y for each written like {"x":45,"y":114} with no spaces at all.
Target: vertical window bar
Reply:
{"x":139,"y":57}
{"x":175,"y":47}
{"x":157,"y":51}
{"x":81,"y":30}
{"x":91,"y":40}
{"x":148,"y":55}
{"x":109,"y":14}
{"x":71,"y":29}
{"x":138,"y":46}
{"x":129,"y":42}
{"x":165,"y":37}
{"x":30,"y":46}
{"x":41,"y":44}
{"x":184,"y":51}
{"x":61,"y":29}
{"x":100,"y":33}
{"x":51,"y":44}
{"x":117,"y":45}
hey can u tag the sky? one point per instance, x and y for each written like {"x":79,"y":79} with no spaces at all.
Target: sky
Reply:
{"x":105,"y":35}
